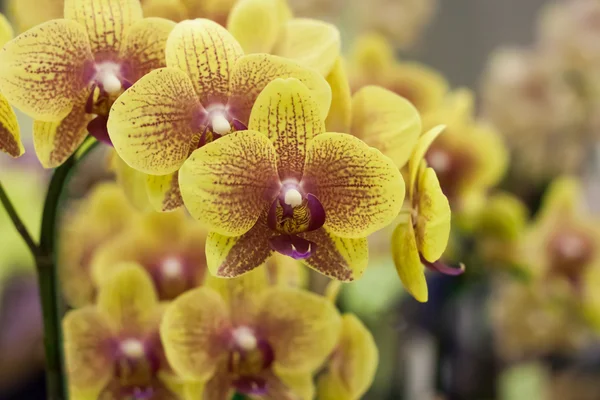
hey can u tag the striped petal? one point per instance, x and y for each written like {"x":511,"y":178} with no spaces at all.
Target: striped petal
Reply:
{"x":88,"y":354}
{"x":54,"y":142}
{"x":387,"y":122}
{"x":361,"y":189}
{"x":302,"y":329}
{"x":407,"y":260}
{"x":338,"y":258}
{"x":314,"y":44}
{"x":256,"y":24}
{"x":10,"y":135}
{"x":286,"y":112}
{"x":231,"y":256}
{"x":163,"y":192}
{"x":105,"y":21}
{"x":339,"y":117}
{"x":353,"y":364}
{"x":228,"y":183}
{"x":144,"y":46}
{"x":43,"y":71}
{"x":6,"y":31}
{"x":194,"y":332}
{"x":206,"y":52}
{"x":152,"y":124}
{"x":254,"y":72}
{"x":128,"y":299}
{"x":433,"y":221}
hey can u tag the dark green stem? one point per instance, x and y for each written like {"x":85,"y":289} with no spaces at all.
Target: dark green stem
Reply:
{"x":17,"y":222}
{"x":49,"y":287}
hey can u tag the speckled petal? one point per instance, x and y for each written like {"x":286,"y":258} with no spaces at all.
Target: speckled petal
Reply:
{"x":207,"y":53}
{"x":387,"y":122}
{"x":163,"y":192}
{"x":152,"y":124}
{"x":302,"y":329}
{"x":144,"y":46}
{"x":228,"y":183}
{"x":254,"y":72}
{"x":361,"y":189}
{"x":106,"y":21}
{"x":286,"y":112}
{"x":54,"y":142}
{"x":44,"y":70}
{"x":338,"y":258}
{"x":195,"y":333}
{"x":314,"y":44}
{"x":88,"y":355}
{"x":339,"y":117}
{"x":10,"y":135}
{"x":407,"y":260}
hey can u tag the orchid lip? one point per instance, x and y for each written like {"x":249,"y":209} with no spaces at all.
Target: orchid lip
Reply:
{"x":97,"y":128}
{"x":293,"y":246}
{"x":443,"y":268}
{"x":280,"y":212}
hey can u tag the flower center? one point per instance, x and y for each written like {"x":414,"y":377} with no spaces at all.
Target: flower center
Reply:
{"x":451,"y":167}
{"x":244,"y":338}
{"x":292,"y":198}
{"x":248,"y":359}
{"x":136,"y":368}
{"x":220,"y":124}
{"x":132,"y":348}
{"x":171,"y":267}
{"x":570,"y":252}
{"x":108,"y":76}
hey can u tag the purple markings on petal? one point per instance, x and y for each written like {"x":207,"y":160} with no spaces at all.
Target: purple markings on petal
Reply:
{"x":317,"y":212}
{"x":97,"y":128}
{"x":238,"y":125}
{"x":253,"y":386}
{"x":292,"y":246}
{"x":443,"y":268}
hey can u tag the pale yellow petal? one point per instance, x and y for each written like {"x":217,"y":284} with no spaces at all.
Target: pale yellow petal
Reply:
{"x":256,"y":24}
{"x":10,"y":134}
{"x":106,"y":21}
{"x":361,"y":189}
{"x":419,"y":153}
{"x":207,"y":53}
{"x":372,"y":55}
{"x":228,"y":183}
{"x":340,"y":113}
{"x":286,"y":112}
{"x":163,"y":192}
{"x":387,"y":122}
{"x":152,"y":124}
{"x":173,"y":10}
{"x":407,"y":260}
{"x":215,"y":10}
{"x":314,"y":44}
{"x":6,"y":31}
{"x":132,"y":182}
{"x":44,"y":70}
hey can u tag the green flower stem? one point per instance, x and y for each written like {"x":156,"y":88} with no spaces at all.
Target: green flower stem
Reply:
{"x":17,"y":222}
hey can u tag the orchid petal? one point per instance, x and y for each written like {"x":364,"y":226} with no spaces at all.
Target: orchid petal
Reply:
{"x":88,"y":352}
{"x":106,"y":21}
{"x":407,"y":260}
{"x":302,"y":329}
{"x":256,"y":24}
{"x":562,"y":199}
{"x":207,"y":53}
{"x":44,"y":70}
{"x":228,"y":183}
{"x":6,"y":30}
{"x":152,"y":124}
{"x":219,"y":387}
{"x":132,"y":181}
{"x":231,"y":256}
{"x":163,"y":192}
{"x":286,"y":112}
{"x":128,"y":299}
{"x":361,"y":189}
{"x":339,"y":117}
{"x":419,"y":153}
{"x":172,"y":10}
{"x":215,"y":10}
{"x":433,"y":220}
{"x":353,"y":364}
{"x":55,"y":142}
{"x":10,"y":136}
{"x":339,"y":258}
{"x":296,"y":385}
{"x":143,"y":48}
{"x":26,"y":14}
{"x":423,"y":86}
{"x":194,"y":332}
{"x":314,"y":44}
{"x":372,"y":55}
{"x":387,"y":122}
{"x":252,"y":73}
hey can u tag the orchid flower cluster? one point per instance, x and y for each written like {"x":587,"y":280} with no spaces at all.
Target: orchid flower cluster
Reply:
{"x":246,"y":149}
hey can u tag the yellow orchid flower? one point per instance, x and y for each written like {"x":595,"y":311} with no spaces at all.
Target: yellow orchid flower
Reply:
{"x":10,"y":135}
{"x":67,"y":73}
{"x":422,"y":235}
{"x":206,"y":91}
{"x":285,"y":185}
{"x":96,"y":220}
{"x":267,"y":26}
{"x":230,"y":337}
{"x":563,"y":241}
{"x":28,"y":13}
{"x":112,"y":349}
{"x":168,"y":245}
{"x":469,"y":158}
{"x":351,"y":368}
{"x":372,"y":62}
